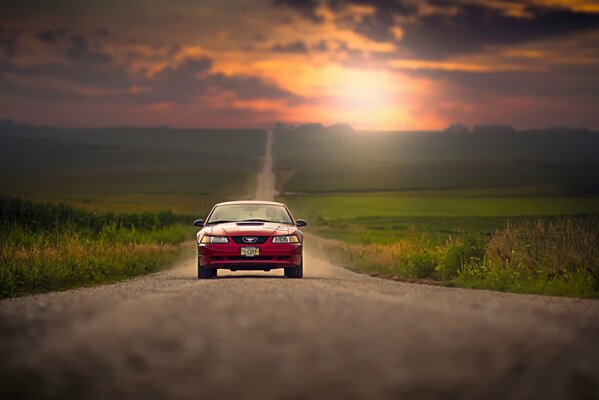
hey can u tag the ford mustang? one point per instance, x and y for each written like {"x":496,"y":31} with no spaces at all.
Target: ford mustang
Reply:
{"x":250,"y":235}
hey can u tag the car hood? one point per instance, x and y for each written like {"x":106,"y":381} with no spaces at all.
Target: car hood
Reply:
{"x":247,"y":229}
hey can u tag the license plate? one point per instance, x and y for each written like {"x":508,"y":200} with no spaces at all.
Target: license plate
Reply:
{"x":250,"y":251}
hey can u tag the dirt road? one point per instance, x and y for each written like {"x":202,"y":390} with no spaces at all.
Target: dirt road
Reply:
{"x":333,"y":335}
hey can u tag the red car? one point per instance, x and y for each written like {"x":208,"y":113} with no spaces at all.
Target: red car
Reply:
{"x":250,"y":235}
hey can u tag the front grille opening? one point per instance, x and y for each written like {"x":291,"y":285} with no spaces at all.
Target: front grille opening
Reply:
{"x":239,"y":239}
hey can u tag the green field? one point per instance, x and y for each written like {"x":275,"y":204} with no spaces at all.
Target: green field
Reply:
{"x":47,"y":246}
{"x":321,"y":160}
{"x":384,"y":217}
{"x":107,"y":204}
{"x":128,"y":169}
{"x":434,"y":206}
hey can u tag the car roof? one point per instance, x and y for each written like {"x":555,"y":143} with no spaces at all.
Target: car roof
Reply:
{"x":273,"y":203}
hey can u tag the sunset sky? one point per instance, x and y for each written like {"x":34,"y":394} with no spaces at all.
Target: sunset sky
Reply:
{"x":379,"y":64}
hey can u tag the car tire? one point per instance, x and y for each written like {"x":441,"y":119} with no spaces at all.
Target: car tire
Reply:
{"x":206,"y":273}
{"x":296,"y":272}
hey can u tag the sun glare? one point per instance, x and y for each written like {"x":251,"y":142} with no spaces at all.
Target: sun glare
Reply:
{"x":365,"y":98}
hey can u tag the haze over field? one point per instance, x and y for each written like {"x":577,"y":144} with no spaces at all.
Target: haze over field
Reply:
{"x":379,"y":64}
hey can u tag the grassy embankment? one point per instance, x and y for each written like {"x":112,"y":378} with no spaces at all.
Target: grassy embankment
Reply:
{"x":539,"y":235}
{"x":545,"y":254}
{"x":47,"y":246}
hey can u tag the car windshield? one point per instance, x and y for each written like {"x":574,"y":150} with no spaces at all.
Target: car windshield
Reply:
{"x":250,"y":212}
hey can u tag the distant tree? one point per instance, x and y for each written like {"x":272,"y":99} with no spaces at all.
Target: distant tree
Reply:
{"x":340,"y":128}
{"x":310,"y":127}
{"x":482,"y":129}
{"x":456,"y":128}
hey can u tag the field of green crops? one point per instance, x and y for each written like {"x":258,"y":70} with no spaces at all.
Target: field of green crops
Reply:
{"x":90,"y":206}
{"x":130,"y":169}
{"x":46,"y":246}
{"x":430,"y":206}
{"x":384,"y":217}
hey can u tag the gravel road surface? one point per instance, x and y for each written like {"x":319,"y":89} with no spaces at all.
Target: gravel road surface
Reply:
{"x":332,"y":335}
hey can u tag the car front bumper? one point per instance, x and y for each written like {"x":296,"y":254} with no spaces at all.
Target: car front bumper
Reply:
{"x":228,"y":256}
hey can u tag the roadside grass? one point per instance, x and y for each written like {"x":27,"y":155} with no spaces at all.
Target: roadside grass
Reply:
{"x":47,"y":246}
{"x":559,"y":257}
{"x":426,"y":205}
{"x":541,"y":245}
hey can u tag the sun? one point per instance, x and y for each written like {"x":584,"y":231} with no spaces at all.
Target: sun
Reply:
{"x":364,"y":97}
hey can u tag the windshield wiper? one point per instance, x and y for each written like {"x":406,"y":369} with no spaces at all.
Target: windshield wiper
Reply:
{"x":256,"y":220}
{"x":219,"y":221}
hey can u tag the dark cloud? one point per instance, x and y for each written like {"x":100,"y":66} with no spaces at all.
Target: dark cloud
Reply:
{"x":456,"y":27}
{"x":321,"y":46}
{"x":475,"y":26}
{"x":181,"y":83}
{"x":306,"y":8}
{"x":377,"y":26}
{"x":102,"y":33}
{"x":298,"y":47}
{"x":80,"y":51}
{"x":249,"y":87}
{"x":103,"y":76}
{"x":177,"y":84}
{"x":193,"y":78}
{"x":51,"y":35}
{"x":8,"y":41}
{"x":476,"y":86}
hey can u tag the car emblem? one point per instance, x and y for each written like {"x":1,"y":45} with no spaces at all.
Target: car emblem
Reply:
{"x":250,"y":239}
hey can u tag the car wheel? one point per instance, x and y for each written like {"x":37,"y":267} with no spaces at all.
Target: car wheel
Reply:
{"x":206,"y":273}
{"x":296,"y":272}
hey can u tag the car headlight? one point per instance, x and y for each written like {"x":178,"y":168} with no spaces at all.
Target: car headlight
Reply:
{"x":213,"y":239}
{"x":285,"y":239}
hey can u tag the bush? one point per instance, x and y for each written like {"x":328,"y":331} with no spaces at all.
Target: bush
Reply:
{"x":48,"y":216}
{"x":421,"y":266}
{"x":559,"y":257}
{"x":457,"y":254}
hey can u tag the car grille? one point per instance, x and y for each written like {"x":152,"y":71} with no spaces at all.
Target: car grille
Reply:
{"x":239,"y":240}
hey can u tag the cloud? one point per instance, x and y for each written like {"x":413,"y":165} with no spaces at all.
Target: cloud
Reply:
{"x":79,"y":51}
{"x":297,"y":47}
{"x":249,"y":88}
{"x":438,"y":29}
{"x":193,"y":78}
{"x":50,"y":36}
{"x":475,"y":26}
{"x":475,"y":86}
{"x":307,"y":8}
{"x":321,"y":46}
{"x":8,"y":41}
{"x":93,"y":75}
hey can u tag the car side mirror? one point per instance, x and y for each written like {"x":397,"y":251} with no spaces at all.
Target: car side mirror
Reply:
{"x":198,"y":222}
{"x":300,"y":222}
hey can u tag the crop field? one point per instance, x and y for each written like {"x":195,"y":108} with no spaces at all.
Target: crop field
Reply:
{"x":433,"y":206}
{"x":89,"y":206}
{"x":384,"y":217}
{"x":129,"y":169}
{"x":330,"y":161}
{"x":47,"y":246}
